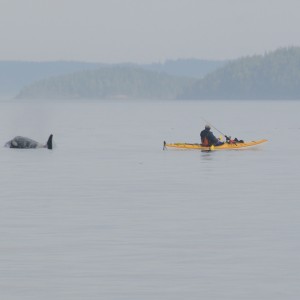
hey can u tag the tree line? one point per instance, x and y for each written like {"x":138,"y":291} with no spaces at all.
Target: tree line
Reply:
{"x":274,"y":75}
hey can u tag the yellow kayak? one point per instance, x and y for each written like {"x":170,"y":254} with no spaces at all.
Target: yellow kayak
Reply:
{"x":225,"y":146}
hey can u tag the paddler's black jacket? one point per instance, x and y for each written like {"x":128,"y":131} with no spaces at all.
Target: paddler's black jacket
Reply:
{"x":206,"y":134}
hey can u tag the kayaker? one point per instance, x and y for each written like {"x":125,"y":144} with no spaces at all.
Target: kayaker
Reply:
{"x":208,"y":138}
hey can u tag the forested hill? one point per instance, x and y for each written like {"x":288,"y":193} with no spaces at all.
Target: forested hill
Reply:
{"x":119,"y":82}
{"x":14,"y":75}
{"x":275,"y":75}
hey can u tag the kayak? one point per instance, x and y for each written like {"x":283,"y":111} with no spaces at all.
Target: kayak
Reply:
{"x":225,"y":146}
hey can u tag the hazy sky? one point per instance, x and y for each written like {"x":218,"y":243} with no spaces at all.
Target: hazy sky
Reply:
{"x":145,"y":30}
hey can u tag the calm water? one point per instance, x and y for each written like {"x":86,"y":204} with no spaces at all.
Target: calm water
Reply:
{"x":109,"y":215}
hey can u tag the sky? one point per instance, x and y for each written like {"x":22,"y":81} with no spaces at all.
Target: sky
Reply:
{"x":145,"y":31}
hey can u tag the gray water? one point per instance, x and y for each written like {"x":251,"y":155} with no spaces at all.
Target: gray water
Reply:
{"x":109,"y":215}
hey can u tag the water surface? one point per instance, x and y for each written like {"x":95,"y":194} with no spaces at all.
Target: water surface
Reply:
{"x":109,"y":215}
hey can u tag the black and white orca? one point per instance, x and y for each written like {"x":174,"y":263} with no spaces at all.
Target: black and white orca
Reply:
{"x":20,"y":142}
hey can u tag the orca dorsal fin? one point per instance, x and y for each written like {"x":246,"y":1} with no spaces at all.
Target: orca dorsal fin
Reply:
{"x":49,"y":142}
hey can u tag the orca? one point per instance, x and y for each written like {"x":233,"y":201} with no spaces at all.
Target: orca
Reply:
{"x":20,"y":142}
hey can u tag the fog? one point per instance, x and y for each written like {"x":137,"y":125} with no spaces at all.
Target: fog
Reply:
{"x":145,"y":31}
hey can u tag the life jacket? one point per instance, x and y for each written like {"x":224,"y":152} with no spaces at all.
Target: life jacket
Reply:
{"x":205,"y":142}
